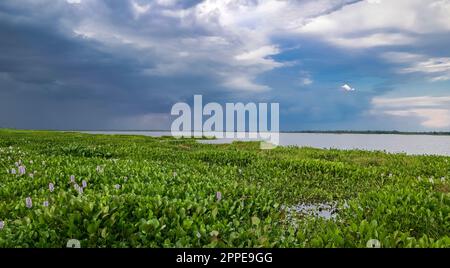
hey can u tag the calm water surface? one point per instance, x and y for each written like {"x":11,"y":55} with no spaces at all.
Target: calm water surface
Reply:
{"x":393,"y":143}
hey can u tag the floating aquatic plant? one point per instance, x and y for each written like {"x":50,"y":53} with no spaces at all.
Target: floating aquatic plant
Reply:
{"x":28,"y":202}
{"x":51,"y":187}
{"x":218,"y":196}
{"x":209,"y":203}
{"x":22,"y":170}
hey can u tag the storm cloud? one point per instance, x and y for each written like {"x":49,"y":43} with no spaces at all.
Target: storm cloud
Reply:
{"x":87,"y":64}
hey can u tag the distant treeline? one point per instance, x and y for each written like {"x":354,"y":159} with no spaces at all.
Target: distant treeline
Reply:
{"x":370,"y":132}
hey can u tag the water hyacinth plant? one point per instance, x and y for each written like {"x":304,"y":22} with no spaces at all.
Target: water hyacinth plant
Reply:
{"x":76,"y":187}
{"x":2,"y":225}
{"x":210,"y":203}
{"x":51,"y":187}
{"x":22,"y":170}
{"x":28,"y":202}
{"x":99,"y":169}
{"x":218,"y":196}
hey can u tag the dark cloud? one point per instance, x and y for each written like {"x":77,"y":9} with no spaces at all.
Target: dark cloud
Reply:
{"x":54,"y":79}
{"x":119,"y":64}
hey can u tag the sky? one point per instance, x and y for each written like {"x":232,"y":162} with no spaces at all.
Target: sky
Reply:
{"x":122,"y":64}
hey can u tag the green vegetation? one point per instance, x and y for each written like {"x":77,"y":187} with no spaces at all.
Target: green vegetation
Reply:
{"x":166,"y":192}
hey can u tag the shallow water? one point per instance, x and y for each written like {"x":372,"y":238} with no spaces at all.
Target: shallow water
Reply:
{"x":323,"y":210}
{"x":326,"y":211}
{"x":392,"y":143}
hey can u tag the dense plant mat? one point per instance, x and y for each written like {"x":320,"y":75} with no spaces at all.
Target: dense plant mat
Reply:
{"x":135,"y":191}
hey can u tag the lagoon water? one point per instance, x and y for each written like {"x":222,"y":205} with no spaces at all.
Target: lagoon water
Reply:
{"x":392,"y":143}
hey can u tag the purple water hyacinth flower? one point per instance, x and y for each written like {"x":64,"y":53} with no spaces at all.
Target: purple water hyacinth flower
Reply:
{"x":99,"y":169}
{"x":219,"y":196}
{"x":45,"y":204}
{"x":13,"y":171}
{"x":117,"y":186}
{"x":22,"y":170}
{"x":72,"y":178}
{"x":76,"y":186}
{"x":31,"y":175}
{"x":51,"y":187}
{"x":84,"y":184}
{"x":80,"y":190}
{"x":29,"y":202}
{"x":2,"y":224}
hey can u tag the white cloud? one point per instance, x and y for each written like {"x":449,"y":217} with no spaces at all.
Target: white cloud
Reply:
{"x":306,"y":81}
{"x":366,"y":24}
{"x":432,"y":112}
{"x":432,"y":66}
{"x":438,"y":69}
{"x":421,"y":101}
{"x":401,"y":57}
{"x":166,"y":2}
{"x":139,"y":9}
{"x":372,"y":40}
{"x":430,"y":118}
{"x":257,"y":55}
{"x":244,"y":83}
{"x":225,"y":39}
{"x":73,"y":2}
{"x":231,"y":40}
{"x":213,"y":38}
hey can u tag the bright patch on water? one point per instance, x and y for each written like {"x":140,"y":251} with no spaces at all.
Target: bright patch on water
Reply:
{"x":326,"y":211}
